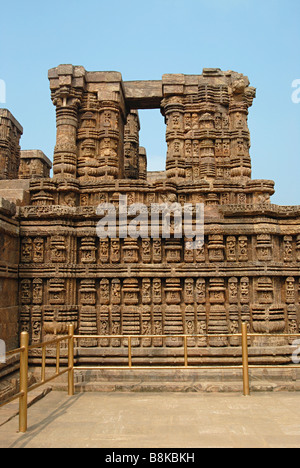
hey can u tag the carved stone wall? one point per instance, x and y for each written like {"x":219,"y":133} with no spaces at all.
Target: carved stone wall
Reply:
{"x":34,"y":164}
{"x":10,"y":134}
{"x":9,"y":260}
{"x":248,"y":268}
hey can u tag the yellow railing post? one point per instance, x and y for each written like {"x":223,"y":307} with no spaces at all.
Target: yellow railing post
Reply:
{"x":71,"y":361}
{"x":245,"y":359}
{"x":185,"y":352}
{"x":24,"y":343}
{"x":129,"y":352}
{"x":44,"y":363}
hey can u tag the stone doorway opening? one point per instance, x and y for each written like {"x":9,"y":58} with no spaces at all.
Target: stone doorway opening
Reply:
{"x":153,"y":138}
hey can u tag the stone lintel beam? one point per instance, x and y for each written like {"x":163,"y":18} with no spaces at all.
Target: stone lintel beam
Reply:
{"x":143,"y":94}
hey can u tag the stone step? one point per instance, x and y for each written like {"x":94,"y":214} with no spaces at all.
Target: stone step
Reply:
{"x":181,"y":380}
{"x":180,"y":387}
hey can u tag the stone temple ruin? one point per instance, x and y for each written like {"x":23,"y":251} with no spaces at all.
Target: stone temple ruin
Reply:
{"x":55,"y":270}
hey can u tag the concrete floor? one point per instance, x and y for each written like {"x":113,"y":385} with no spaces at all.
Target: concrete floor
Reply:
{"x":158,"y":420}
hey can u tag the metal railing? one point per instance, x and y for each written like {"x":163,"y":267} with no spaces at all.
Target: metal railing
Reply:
{"x":24,"y":349}
{"x":71,"y":337}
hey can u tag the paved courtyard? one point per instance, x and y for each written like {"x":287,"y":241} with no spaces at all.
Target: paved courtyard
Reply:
{"x":162,"y":420}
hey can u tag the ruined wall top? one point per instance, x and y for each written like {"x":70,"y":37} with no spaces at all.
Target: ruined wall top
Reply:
{"x":148,"y":94}
{"x":10,"y":134}
{"x":206,"y":119}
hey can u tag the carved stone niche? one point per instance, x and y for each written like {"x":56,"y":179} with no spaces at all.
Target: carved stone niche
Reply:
{"x":190,"y":324}
{"x":267,"y":315}
{"x":146,"y":291}
{"x":157,"y":291}
{"x":116,"y":291}
{"x":298,"y":249}
{"x":36,"y":324}
{"x":200,"y":292}
{"x":173,"y":313}
{"x":115,"y":251}
{"x":188,"y":251}
{"x":146,"y":327}
{"x":38,"y":250}
{"x":25,"y":318}
{"x":173,"y":250}
{"x":293,"y":324}
{"x":216,"y":248}
{"x":264,"y":247}
{"x":231,"y":249}
{"x":104,"y":251}
{"x":88,"y":315}
{"x":265,"y":290}
{"x":104,"y":292}
{"x":25,"y":291}
{"x":37,"y":291}
{"x":288,"y":248}
{"x":131,"y":291}
{"x":130,"y":251}
{"x":217,"y":323}
{"x":88,"y":250}
{"x":233,"y":290}
{"x":245,"y":290}
{"x":57,"y":291}
{"x":88,"y":326}
{"x":243,"y":249}
{"x":189,"y":297}
{"x":26,"y":250}
{"x":290,"y":292}
{"x":234,"y":322}
{"x":58,"y":249}
{"x":87,"y":292}
{"x":157,"y":251}
{"x":131,"y":317}
{"x":146,"y":250}
{"x":116,"y":326}
{"x":201,"y":325}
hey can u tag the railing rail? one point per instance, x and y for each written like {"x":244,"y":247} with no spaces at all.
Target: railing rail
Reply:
{"x":24,"y":349}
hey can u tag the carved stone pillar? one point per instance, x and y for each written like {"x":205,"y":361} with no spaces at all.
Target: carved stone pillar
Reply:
{"x":241,"y":97}
{"x":142,"y":163}
{"x":67,"y":84}
{"x":173,"y":315}
{"x":88,"y":315}
{"x":65,"y":153}
{"x":267,"y":313}
{"x":173,"y":110}
{"x":131,"y":146}
{"x":131,"y":324}
{"x":111,"y":159}
{"x":207,"y":145}
{"x":217,"y":323}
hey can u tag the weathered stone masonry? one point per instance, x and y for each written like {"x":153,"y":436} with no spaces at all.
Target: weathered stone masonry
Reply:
{"x":248,"y":269}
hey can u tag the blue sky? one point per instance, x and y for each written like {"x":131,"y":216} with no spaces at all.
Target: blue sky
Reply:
{"x":145,"y":39}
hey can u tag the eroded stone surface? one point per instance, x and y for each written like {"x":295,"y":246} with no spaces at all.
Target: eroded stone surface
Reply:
{"x":248,"y":268}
